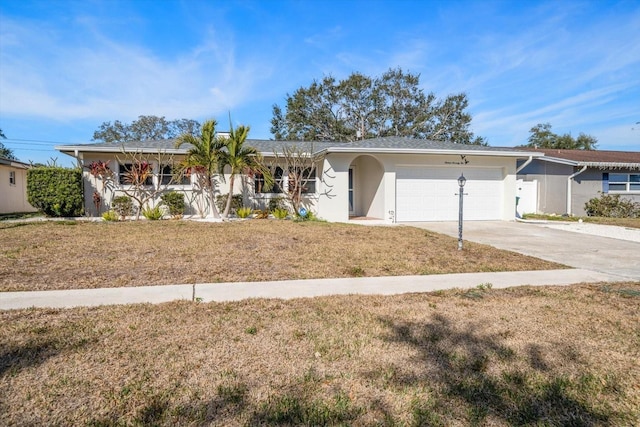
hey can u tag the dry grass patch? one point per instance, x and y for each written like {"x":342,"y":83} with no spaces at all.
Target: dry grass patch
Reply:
{"x":521,"y":356}
{"x":74,"y":255}
{"x":620,"y":222}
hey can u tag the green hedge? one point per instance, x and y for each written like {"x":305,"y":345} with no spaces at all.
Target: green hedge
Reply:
{"x":56,"y":191}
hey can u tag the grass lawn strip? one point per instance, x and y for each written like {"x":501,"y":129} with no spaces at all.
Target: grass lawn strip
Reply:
{"x":620,"y":222}
{"x":543,"y":355}
{"x":78,"y":255}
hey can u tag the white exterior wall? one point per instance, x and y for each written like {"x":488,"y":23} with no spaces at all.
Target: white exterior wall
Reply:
{"x":13,"y":197}
{"x":374,"y":184}
{"x":333,"y":194}
{"x":334,"y":205}
{"x":194,"y":203}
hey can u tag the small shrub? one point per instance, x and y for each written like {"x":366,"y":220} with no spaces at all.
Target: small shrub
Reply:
{"x":244,"y":212}
{"x":236,"y":202}
{"x":110,"y":215}
{"x":155,"y":213}
{"x":123,"y":205}
{"x":276,"y":203}
{"x":280,"y":213}
{"x":612,"y":206}
{"x":308,"y":216}
{"x":174,"y":201}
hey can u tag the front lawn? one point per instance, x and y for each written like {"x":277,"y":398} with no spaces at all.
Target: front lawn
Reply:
{"x":552,"y":356}
{"x":73,"y":255}
{"x":621,"y":222}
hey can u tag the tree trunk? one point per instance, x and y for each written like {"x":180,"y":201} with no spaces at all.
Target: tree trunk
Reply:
{"x":227,"y":208}
{"x":212,"y":200}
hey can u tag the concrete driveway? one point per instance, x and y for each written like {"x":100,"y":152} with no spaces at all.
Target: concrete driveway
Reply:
{"x":576,"y":249}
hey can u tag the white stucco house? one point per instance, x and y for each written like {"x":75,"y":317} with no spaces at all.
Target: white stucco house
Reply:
{"x":13,"y":187}
{"x":391,"y":179}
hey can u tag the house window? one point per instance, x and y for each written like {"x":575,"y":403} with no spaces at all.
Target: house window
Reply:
{"x":624,"y":182}
{"x":130,"y":173}
{"x":166,"y":177}
{"x":309,"y":181}
{"x":12,"y":177}
{"x":258,"y":182}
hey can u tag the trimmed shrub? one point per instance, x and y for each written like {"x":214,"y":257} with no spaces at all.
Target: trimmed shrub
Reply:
{"x":56,"y":191}
{"x":175,"y":202}
{"x":236,"y":202}
{"x":612,"y":206}
{"x":123,"y":205}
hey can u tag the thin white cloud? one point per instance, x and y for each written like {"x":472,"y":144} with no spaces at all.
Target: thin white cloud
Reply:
{"x":93,"y":76}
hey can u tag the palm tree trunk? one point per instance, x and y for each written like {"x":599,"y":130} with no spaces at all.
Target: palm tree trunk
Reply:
{"x":212,"y":200}
{"x":227,"y":208}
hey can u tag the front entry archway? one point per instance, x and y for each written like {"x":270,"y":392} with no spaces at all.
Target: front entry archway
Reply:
{"x":366,"y":188}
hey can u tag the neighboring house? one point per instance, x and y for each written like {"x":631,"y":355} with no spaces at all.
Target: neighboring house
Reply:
{"x":391,"y":179}
{"x":567,"y":179}
{"x":13,"y":187}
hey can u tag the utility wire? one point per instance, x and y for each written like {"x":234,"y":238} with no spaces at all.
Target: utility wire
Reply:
{"x":35,"y":141}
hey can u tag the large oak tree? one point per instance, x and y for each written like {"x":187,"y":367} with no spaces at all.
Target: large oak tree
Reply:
{"x":362,"y":107}
{"x":145,"y":128}
{"x":541,"y":136}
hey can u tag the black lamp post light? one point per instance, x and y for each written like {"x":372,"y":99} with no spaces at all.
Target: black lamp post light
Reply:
{"x":461,"y":182}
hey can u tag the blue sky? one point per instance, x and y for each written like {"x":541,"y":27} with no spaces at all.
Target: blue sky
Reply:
{"x":68,"y":66}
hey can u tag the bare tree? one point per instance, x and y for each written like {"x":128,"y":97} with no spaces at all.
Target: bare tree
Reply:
{"x":135,"y":177}
{"x":299,"y":173}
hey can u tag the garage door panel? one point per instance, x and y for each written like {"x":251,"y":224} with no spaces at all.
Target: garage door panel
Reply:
{"x":430,"y":194}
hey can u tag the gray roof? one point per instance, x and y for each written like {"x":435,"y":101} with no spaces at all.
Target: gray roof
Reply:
{"x":14,"y":163}
{"x":375,"y":145}
{"x":406,"y":143}
{"x":168,"y":145}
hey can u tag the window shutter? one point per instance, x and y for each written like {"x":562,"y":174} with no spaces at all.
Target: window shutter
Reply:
{"x":605,"y":182}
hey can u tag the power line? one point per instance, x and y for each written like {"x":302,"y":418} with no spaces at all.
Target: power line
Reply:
{"x":25,"y":144}
{"x":37,"y":141}
{"x":42,"y":150}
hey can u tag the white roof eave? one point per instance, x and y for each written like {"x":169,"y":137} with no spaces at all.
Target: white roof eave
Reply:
{"x":70,"y":149}
{"x":591,"y":164}
{"x":86,"y":149}
{"x":518,"y":154}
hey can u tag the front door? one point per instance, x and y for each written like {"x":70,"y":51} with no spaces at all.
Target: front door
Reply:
{"x":352,"y":211}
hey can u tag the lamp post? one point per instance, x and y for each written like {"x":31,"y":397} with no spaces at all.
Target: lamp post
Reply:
{"x":461,"y":182}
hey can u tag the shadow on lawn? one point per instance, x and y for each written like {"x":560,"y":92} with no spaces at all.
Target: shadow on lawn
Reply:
{"x":292,"y":406}
{"x":18,"y":357}
{"x":457,"y":364}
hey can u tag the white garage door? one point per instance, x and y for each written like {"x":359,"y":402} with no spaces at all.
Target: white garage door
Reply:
{"x":431,"y":194}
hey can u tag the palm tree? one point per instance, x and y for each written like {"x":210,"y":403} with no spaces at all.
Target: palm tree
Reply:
{"x":203,"y":158}
{"x":241,"y":159}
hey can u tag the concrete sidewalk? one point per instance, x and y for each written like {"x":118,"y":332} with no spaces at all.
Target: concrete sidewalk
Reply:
{"x":295,"y":288}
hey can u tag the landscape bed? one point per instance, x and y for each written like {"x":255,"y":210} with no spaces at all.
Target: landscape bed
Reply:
{"x":76,"y":255}
{"x":519,"y":356}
